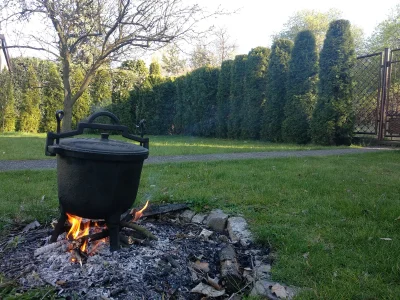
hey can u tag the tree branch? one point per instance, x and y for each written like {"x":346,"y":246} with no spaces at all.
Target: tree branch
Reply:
{"x":33,"y":48}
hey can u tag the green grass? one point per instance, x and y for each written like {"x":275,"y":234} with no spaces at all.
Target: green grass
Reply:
{"x":323,"y":217}
{"x":20,"y":146}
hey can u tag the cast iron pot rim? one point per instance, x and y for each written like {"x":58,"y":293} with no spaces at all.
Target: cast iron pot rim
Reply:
{"x":137,"y":153}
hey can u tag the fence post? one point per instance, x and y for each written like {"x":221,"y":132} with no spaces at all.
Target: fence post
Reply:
{"x":385,"y":82}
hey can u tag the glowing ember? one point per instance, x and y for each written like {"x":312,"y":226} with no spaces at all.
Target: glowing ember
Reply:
{"x":139,"y":213}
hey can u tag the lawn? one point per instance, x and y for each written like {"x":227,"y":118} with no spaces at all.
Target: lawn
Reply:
{"x":324,"y":217}
{"x":19,"y":146}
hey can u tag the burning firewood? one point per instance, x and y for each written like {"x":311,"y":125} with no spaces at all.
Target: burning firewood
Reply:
{"x":129,"y":240}
{"x":49,"y":247}
{"x":143,"y":231}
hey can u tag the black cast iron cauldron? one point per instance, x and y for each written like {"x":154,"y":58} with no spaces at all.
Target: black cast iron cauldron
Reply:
{"x":97,"y":178}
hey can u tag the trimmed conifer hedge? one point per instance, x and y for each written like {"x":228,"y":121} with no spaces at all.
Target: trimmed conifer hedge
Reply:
{"x":255,"y":92}
{"x":301,"y":90}
{"x":276,"y":90}
{"x":333,"y":118}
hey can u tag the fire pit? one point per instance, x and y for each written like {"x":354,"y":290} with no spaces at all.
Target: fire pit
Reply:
{"x":97,"y":178}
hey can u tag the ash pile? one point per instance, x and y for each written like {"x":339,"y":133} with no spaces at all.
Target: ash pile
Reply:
{"x":193,"y":256}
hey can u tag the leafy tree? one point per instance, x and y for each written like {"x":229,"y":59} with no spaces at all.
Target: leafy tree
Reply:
{"x":138,"y":67}
{"x":52,"y":96}
{"x":255,"y":91}
{"x":332,"y":121}
{"x":7,"y":112}
{"x":94,"y":32}
{"x":101,"y":88}
{"x":202,"y":56}
{"x":273,"y":114}
{"x":29,"y":111}
{"x":318,"y":23}
{"x":387,"y":33}
{"x":81,"y":109}
{"x":172,"y":63}
{"x":236,"y":106}
{"x":223,"y":95}
{"x":155,"y":70}
{"x":301,"y":89}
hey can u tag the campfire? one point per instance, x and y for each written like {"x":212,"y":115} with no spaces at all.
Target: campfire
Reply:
{"x":84,"y":236}
{"x":189,"y":256}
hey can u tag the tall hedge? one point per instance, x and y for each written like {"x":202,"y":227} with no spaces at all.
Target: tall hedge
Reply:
{"x":7,"y":110}
{"x":223,"y":93}
{"x":29,"y":111}
{"x":301,"y":91}
{"x":255,"y":91}
{"x":333,"y":116}
{"x":273,"y":112}
{"x":178,"y":123}
{"x":238,"y":75}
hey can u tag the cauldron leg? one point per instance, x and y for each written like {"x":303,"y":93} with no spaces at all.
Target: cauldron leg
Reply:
{"x":59,"y":227}
{"x":113,"y":228}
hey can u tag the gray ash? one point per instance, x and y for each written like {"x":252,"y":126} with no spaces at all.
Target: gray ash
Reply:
{"x":157,"y":270}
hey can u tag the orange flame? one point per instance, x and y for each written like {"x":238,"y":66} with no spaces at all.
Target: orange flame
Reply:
{"x":85,"y":232}
{"x":139,"y":213}
{"x":75,"y":222}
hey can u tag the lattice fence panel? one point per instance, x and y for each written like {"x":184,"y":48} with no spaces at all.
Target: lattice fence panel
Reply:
{"x":366,"y":77}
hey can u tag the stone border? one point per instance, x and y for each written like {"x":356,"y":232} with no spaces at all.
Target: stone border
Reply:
{"x":238,"y":232}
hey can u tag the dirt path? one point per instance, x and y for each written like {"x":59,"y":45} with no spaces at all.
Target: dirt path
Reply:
{"x":8,"y":165}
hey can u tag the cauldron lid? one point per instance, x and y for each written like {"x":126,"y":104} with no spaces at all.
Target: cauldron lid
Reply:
{"x":103,"y":149}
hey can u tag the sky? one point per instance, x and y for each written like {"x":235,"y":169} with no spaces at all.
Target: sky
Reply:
{"x":257,"y":20}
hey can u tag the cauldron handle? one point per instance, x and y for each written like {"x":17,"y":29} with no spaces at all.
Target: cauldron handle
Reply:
{"x":103,"y":114}
{"x":51,"y":136}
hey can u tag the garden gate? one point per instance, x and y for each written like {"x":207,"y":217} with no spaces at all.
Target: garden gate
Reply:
{"x":376,"y":95}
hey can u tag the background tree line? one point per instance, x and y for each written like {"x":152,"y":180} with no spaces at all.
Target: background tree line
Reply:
{"x":267,"y":94}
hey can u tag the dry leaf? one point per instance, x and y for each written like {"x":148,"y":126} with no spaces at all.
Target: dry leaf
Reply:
{"x":207,"y":290}
{"x":385,"y":239}
{"x":61,"y":282}
{"x":279,"y":291}
{"x":214,"y":283}
{"x":397,"y":219}
{"x":201,"y":266}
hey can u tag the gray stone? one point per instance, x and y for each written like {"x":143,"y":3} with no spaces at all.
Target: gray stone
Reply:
{"x":187,"y":215}
{"x":238,"y":232}
{"x":217,"y":220}
{"x":199,"y":218}
{"x":262,"y":271}
{"x":263,"y":288}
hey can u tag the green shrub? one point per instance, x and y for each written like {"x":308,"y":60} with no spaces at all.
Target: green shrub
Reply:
{"x":29,"y":111}
{"x":7,"y":102}
{"x":52,"y":96}
{"x":301,"y":89}
{"x":333,"y":117}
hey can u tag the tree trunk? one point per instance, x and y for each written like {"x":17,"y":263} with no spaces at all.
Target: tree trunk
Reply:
{"x":67,"y":120}
{"x":68,"y":104}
